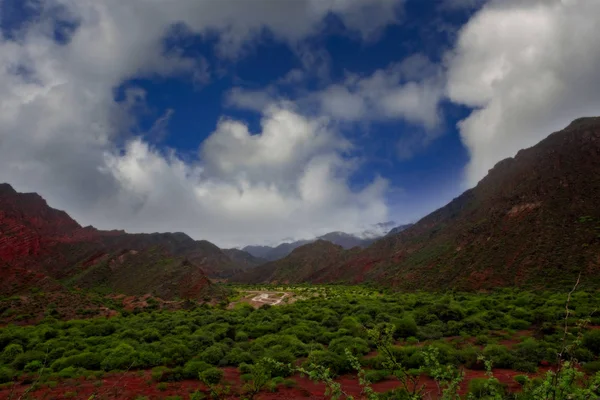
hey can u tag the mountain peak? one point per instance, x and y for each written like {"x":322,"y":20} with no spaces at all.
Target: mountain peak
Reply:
{"x":6,"y":189}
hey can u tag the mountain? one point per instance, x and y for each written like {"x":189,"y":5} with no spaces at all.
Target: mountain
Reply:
{"x":243,"y":259}
{"x":377,"y":231}
{"x":299,"y":266}
{"x":346,"y":240}
{"x":398,"y":229}
{"x":44,"y":247}
{"x":533,"y":221}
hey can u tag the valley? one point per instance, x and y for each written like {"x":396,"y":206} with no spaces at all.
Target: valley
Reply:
{"x":493,"y":296}
{"x":158,"y":354}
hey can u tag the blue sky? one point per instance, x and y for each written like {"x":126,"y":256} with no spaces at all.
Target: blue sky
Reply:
{"x":423,"y":179}
{"x":246,"y":122}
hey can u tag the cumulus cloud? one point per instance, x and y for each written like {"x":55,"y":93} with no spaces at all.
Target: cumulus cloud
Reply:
{"x":64,"y":135}
{"x":527,"y":69}
{"x":410,"y":90}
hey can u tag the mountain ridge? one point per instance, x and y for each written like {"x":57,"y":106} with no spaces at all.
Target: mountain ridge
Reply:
{"x":532,"y":221}
{"x":346,"y":240}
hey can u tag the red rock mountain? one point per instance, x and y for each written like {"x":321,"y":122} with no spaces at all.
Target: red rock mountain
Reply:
{"x":40,"y":246}
{"x":533,"y":221}
{"x":299,"y":266}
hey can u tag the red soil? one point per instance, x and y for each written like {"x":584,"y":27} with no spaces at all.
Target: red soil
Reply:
{"x":127,"y":386}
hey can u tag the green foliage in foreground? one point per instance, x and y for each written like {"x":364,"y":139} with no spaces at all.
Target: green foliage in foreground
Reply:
{"x":332,"y":329}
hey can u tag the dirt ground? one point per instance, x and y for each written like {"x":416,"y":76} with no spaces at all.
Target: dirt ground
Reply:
{"x":258,"y":298}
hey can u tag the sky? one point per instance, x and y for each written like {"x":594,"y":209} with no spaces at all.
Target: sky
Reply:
{"x":250,"y":121}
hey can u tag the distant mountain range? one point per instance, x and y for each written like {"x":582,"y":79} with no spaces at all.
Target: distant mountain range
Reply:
{"x":533,"y":221}
{"x":345,"y":240}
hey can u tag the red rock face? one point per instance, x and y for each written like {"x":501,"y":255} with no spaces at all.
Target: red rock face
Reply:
{"x":42,"y":244}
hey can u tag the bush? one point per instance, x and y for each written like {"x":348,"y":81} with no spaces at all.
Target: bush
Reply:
{"x":530,"y":351}
{"x":162,"y":386}
{"x":23,"y":359}
{"x":375,"y":376}
{"x":212,"y":355}
{"x":121,"y":357}
{"x":357,"y":346}
{"x":33,"y":366}
{"x":406,"y":327}
{"x":6,"y":374}
{"x":591,"y":367}
{"x":521,"y":379}
{"x":159,"y":373}
{"x":499,"y":355}
{"x":211,"y":376}
{"x":481,"y":388}
{"x":336,"y":363}
{"x":87,"y":360}
{"x":524,"y":366}
{"x":591,"y":340}
{"x":11,"y":352}
{"x":192,"y":369}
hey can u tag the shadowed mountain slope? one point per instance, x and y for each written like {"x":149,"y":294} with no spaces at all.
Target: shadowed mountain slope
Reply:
{"x":533,"y":221}
{"x":41,"y":246}
{"x":299,"y":266}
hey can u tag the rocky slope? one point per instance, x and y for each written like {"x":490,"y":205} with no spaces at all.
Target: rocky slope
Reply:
{"x":299,"y":266}
{"x":243,"y":259}
{"x":533,"y":221}
{"x":43,"y":247}
{"x":346,"y":240}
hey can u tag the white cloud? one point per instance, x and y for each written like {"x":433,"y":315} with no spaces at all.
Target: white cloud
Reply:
{"x":255,"y":100}
{"x":62,"y":131}
{"x":410,"y":90}
{"x":291,"y":177}
{"x":528,"y":69}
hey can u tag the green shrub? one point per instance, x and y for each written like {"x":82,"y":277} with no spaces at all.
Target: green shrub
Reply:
{"x":212,"y":355}
{"x":121,"y":357}
{"x":521,"y":379}
{"x":162,"y":386}
{"x":591,"y":340}
{"x":87,"y":360}
{"x":591,"y":367}
{"x":11,"y":352}
{"x":193,"y":368}
{"x":6,"y":374}
{"x":530,"y":351}
{"x":99,"y":329}
{"x":357,"y":346}
{"x":336,"y":363}
{"x":468,"y":356}
{"x":481,"y":388}
{"x":25,"y":358}
{"x":158,"y":374}
{"x":499,"y":355}
{"x":406,"y":327}
{"x":211,"y":376}
{"x":375,"y":376}
{"x":33,"y":366}
{"x":582,"y":354}
{"x":518,"y":324}
{"x":197,"y":395}
{"x":524,"y":366}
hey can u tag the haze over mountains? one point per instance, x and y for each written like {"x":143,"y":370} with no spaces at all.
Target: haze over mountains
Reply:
{"x":533,"y":221}
{"x":345,"y":240}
